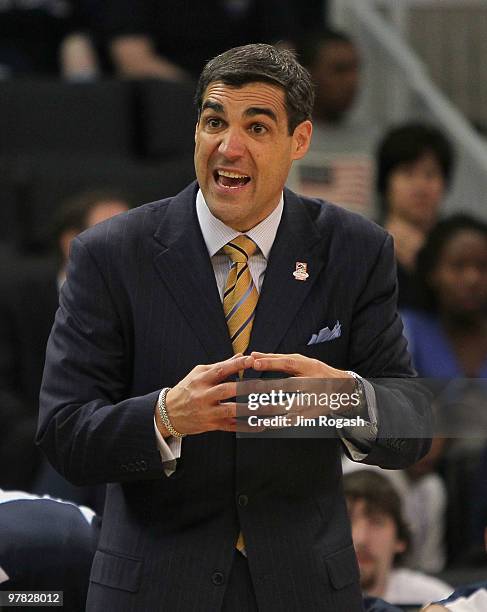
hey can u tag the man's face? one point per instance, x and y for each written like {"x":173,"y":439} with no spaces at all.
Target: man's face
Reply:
{"x":244,"y":152}
{"x":415,"y":191}
{"x":336,"y":73}
{"x":376,"y":543}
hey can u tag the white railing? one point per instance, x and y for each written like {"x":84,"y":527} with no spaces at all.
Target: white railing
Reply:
{"x":398,"y":88}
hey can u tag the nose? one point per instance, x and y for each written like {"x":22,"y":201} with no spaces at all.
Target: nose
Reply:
{"x":359,"y":533}
{"x":232,"y":146}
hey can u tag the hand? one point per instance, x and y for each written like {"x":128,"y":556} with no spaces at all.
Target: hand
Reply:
{"x":294,"y":365}
{"x":197,"y":403}
{"x":309,"y":378}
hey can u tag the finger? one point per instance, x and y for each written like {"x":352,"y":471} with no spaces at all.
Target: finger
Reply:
{"x":288,"y":364}
{"x":223,"y":369}
{"x":227,"y":425}
{"x":221,"y":392}
{"x":225,"y":411}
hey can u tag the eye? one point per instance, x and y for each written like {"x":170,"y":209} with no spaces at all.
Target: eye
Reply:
{"x":258,"y":128}
{"x":213,"y":123}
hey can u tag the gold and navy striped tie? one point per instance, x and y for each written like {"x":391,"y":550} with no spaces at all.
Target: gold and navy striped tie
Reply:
{"x":240,"y":296}
{"x":239,"y":302}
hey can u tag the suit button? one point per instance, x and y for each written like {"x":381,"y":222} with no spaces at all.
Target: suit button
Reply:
{"x":243,"y":500}
{"x":143,"y":465}
{"x":217,"y":578}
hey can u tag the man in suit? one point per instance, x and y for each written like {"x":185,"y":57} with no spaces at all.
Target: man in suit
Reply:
{"x":142,"y":362}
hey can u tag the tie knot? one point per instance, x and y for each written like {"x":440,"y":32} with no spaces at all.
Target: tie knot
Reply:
{"x":240,"y":249}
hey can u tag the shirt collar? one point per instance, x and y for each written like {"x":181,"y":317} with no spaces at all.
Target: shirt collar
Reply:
{"x":216,"y":234}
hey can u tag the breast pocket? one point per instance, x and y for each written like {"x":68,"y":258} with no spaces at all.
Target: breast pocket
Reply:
{"x":331,"y":352}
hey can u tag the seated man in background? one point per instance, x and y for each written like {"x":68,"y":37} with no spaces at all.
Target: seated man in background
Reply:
{"x":46,"y":544}
{"x":339,"y":166}
{"x":28,"y":303}
{"x":380,"y":537}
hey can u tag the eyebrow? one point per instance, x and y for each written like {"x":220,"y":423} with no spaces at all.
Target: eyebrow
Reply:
{"x":215,"y":106}
{"x":253,"y":111}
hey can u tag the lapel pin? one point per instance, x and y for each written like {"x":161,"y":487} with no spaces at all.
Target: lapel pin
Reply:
{"x":301,"y":272}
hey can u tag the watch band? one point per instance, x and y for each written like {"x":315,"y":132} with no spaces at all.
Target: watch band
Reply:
{"x":360,"y":391}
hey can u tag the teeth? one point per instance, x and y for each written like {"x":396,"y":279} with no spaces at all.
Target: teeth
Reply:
{"x":232,"y":174}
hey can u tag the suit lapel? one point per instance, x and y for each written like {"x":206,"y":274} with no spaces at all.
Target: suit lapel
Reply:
{"x":183,"y":263}
{"x":282,"y":295}
{"x":193,"y":286}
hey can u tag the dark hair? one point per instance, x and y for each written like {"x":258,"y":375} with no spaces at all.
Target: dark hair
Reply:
{"x":262,"y":63}
{"x":406,"y":144}
{"x":429,"y":255}
{"x":74,"y":212}
{"x":311,"y":44}
{"x":379,"y":495}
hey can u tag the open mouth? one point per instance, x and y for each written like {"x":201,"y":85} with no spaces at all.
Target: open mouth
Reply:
{"x":231,"y":180}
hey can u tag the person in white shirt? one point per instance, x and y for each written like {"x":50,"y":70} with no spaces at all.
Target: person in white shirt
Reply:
{"x":380,"y":537}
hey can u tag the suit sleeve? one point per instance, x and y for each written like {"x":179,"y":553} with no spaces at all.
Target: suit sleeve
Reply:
{"x":379,"y":353}
{"x":90,"y":428}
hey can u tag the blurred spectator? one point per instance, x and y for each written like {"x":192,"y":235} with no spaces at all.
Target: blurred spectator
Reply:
{"x":448,"y":334}
{"x":28,"y":302}
{"x":339,"y":165}
{"x":414,"y":168}
{"x":448,"y":339}
{"x":173,"y":39}
{"x":424,"y":504}
{"x":46,"y":37}
{"x":380,"y":537}
{"x":46,"y":544}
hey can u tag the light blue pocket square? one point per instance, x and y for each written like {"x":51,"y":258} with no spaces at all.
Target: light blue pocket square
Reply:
{"x":325,"y":334}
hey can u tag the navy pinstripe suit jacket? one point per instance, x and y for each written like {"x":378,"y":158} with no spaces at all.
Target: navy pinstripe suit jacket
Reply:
{"x":139,"y":310}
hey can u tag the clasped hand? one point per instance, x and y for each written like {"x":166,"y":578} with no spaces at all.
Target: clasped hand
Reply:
{"x":200,"y":402}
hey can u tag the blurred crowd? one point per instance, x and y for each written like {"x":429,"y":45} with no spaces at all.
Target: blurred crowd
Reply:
{"x":429,"y":518}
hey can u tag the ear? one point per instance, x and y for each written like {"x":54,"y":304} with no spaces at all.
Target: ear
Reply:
{"x":400,"y":547}
{"x":196,"y":130}
{"x":302,"y":139}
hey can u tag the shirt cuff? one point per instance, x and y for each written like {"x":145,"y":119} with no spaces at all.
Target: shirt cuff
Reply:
{"x":358,"y":440}
{"x":169,"y":449}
